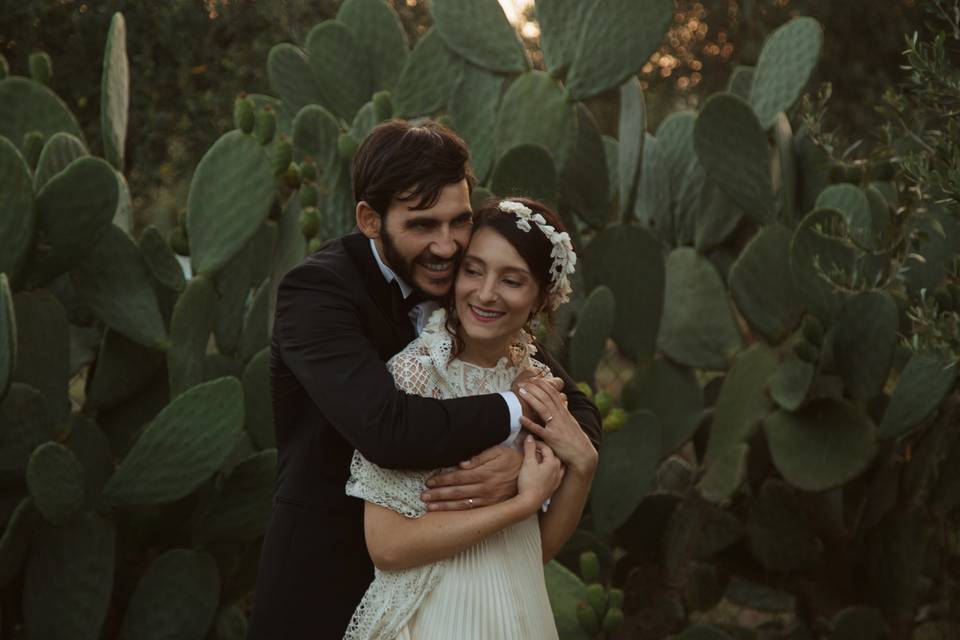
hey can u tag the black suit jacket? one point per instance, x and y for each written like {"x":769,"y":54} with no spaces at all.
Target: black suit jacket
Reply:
{"x":334,"y":330}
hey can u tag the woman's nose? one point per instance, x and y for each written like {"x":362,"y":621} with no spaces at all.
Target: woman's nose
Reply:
{"x":487,"y":292}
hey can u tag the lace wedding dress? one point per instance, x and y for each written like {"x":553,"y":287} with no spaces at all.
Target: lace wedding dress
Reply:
{"x":493,"y":590}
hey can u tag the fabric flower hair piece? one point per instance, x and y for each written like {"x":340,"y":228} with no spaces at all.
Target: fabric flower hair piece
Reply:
{"x":564,"y":259}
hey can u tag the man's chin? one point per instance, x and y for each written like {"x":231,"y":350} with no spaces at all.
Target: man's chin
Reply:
{"x":434,"y":287}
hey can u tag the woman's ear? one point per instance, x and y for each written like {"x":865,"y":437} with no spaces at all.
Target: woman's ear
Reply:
{"x":368,"y":220}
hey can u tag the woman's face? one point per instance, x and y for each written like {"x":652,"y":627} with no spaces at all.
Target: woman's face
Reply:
{"x":495,"y":292}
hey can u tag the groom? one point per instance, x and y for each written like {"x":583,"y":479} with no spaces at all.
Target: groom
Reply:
{"x":341,"y":314}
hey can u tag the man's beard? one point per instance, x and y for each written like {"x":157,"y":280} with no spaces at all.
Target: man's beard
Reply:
{"x":404,"y":268}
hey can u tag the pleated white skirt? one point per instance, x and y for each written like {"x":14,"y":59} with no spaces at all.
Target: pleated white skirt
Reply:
{"x":492,"y":591}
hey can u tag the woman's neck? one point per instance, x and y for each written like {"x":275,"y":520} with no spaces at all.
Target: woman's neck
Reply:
{"x":483,"y":353}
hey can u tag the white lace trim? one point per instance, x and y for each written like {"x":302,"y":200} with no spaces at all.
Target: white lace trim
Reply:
{"x":425,"y":367}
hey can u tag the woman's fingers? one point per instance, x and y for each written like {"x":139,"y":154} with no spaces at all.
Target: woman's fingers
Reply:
{"x":538,"y":430}
{"x":539,"y":400}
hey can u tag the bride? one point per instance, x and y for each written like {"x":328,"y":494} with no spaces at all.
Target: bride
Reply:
{"x":478,"y":574}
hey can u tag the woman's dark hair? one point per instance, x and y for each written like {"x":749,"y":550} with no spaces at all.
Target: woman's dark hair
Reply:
{"x":533,"y":247}
{"x":417,"y":161}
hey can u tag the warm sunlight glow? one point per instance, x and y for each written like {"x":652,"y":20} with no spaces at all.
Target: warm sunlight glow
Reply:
{"x":514,"y":9}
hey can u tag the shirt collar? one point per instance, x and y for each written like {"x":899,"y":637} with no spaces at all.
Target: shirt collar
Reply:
{"x":388,"y":273}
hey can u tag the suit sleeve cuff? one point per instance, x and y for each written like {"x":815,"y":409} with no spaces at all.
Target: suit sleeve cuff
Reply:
{"x":513,"y":404}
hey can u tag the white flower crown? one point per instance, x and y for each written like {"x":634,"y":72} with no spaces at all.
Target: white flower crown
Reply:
{"x":564,"y":258}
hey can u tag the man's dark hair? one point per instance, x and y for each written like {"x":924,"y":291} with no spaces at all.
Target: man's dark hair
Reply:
{"x":409,"y":162}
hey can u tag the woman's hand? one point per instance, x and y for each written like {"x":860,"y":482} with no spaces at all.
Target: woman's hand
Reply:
{"x":560,"y":429}
{"x":540,"y":474}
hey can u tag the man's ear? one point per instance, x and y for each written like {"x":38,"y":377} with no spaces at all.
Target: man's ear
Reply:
{"x":368,"y":220}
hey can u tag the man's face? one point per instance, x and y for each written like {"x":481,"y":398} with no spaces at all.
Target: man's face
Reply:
{"x":424,"y":246}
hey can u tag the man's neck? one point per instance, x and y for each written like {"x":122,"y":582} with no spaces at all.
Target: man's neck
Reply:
{"x":388,"y":273}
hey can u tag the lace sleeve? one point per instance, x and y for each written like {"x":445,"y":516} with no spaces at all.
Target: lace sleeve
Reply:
{"x":397,"y":490}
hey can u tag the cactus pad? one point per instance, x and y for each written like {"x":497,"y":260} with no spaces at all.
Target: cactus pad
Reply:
{"x":27,"y":106}
{"x":428,"y":79}
{"x":377,"y":30}
{"x":55,"y":480}
{"x":616,"y":40}
{"x":115,"y":92}
{"x":725,"y":474}
{"x":923,"y":385}
{"x":345,"y":88}
{"x":479,"y":31}
{"x":786,"y":62}
{"x":824,"y":445}
{"x":526,"y":170}
{"x":535,"y":109}
{"x":8,"y":336}
{"x":864,"y":339}
{"x":291,"y":78}
{"x":585,"y":185}
{"x":631,"y":134}
{"x":43,"y":348}
{"x":230,"y":196}
{"x":116,"y":285}
{"x":594,"y":326}
{"x":241,"y":508}
{"x":672,"y":394}
{"x":190,"y":329}
{"x":59,"y":151}
{"x":16,"y":209}
{"x":473,"y":106}
{"x":698,"y":328}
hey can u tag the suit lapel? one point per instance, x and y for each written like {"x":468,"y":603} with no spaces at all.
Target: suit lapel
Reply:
{"x":358,"y":248}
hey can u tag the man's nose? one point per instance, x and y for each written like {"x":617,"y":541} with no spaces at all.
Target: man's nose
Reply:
{"x":444,"y":245}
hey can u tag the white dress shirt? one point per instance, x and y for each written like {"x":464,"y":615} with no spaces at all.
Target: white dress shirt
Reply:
{"x":419,"y":316}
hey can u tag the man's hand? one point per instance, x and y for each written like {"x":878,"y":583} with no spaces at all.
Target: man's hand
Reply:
{"x":487,"y":478}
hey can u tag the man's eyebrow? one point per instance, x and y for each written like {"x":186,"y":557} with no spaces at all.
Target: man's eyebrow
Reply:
{"x":419,"y":220}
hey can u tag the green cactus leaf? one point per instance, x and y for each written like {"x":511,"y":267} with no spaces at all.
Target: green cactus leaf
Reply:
{"x":616,"y":40}
{"x":880,"y":207}
{"x":15,"y":543}
{"x":743,"y":402}
{"x":812,"y":244}
{"x":725,"y":474}
{"x":791,"y":382}
{"x":365,"y":121}
{"x":190,"y":329}
{"x":629,"y":458}
{"x":733,"y":149}
{"x":344,"y":87}
{"x":124,"y":423}
{"x":177,"y":597}
{"x":611,"y":149}
{"x":778,"y":533}
{"x":230,"y":196}
{"x":428,"y":78}
{"x":69,"y":579}
{"x":685,"y":175}
{"x":824,"y":445}
{"x":161,"y":260}
{"x":761,"y":284}
{"x":473,"y":106}
{"x":169,"y":460}
{"x":315,"y":134}
{"x":785,"y":64}
{"x":630,"y":261}
{"x":290,"y":248}
{"x":74,"y":209}
{"x":672,"y":394}
{"x":254,"y":336}
{"x":241,"y":508}
{"x":698,"y":328}
{"x":123,"y":368}
{"x":43,"y":348}
{"x":594,"y":326}
{"x":814,"y":165}
{"x":28,"y":106}
{"x":585,"y":184}
{"x":526,"y":170}
{"x":631,"y":134}
{"x":479,"y":31}
{"x":25,"y":423}
{"x":231,"y":624}
{"x":786,"y":171}
{"x":56,"y":482}
{"x":652,"y":208}
{"x":717,"y":218}
{"x":377,"y":30}
{"x":92,"y":449}
{"x":851,"y":201}
{"x":17,"y":217}
{"x":741,"y":80}
{"x":116,"y":285}
{"x":123,"y":216}
{"x":565,"y":591}
{"x":8,"y":336}
{"x":924,"y":383}
{"x":291,"y":78}
{"x":864,"y":339}
{"x":256,"y":397}
{"x":560,"y":25}
{"x":115,"y":92}
{"x":536,"y":110}
{"x":58,"y":152}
